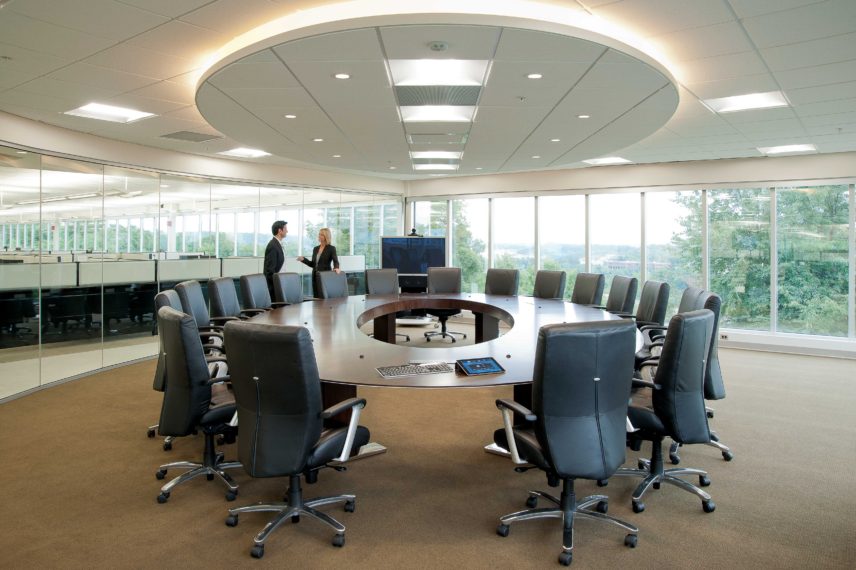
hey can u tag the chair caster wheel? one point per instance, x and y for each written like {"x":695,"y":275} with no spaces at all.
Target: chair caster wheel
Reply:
{"x":708,"y":506}
{"x":258,"y":551}
{"x":232,"y":520}
{"x":161,"y":473}
{"x":350,"y":506}
{"x":339,"y":540}
{"x":602,"y":507}
{"x":674,"y":458}
{"x":602,"y":482}
{"x":295,"y":519}
{"x":231,"y":495}
{"x":532,"y":502}
{"x":640,"y":464}
{"x":167,"y":445}
{"x":150,"y":433}
{"x":566,"y":558}
{"x":727,"y":455}
{"x":163,"y":497}
{"x":630,"y":540}
{"x":427,"y":339}
{"x":638,"y":506}
{"x":703,"y":481}
{"x":502,"y":530}
{"x":210,"y":476}
{"x":453,"y":339}
{"x":656,"y":485}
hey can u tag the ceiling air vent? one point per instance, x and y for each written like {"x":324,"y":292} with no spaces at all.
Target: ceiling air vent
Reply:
{"x":466,"y":95}
{"x":190,"y":136}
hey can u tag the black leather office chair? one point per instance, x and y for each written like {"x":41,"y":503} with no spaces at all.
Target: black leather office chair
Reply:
{"x":278,"y":393}
{"x":193,"y":401}
{"x":193,"y":303}
{"x":333,"y":285}
{"x":383,"y":282}
{"x":549,"y":284}
{"x":224,"y":301}
{"x":502,"y":282}
{"x":255,"y":294}
{"x":652,"y":306}
{"x":577,"y":427}
{"x":287,"y":288}
{"x":622,"y":295}
{"x":168,"y":298}
{"x":588,"y":289}
{"x":674,"y":407}
{"x":444,"y":280}
{"x":691,"y":300}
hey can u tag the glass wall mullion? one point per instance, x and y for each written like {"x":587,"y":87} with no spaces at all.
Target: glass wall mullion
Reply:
{"x":851,"y":297}
{"x":643,"y":256}
{"x":774,"y":264}
{"x":705,"y":241}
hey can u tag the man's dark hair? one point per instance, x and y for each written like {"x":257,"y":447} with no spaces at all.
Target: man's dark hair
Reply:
{"x":277,"y":225}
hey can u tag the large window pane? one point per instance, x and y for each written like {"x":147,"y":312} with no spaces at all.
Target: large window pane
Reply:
{"x":673,"y":240}
{"x":431,"y":218}
{"x":812,"y":244}
{"x":740,"y":256}
{"x":616,"y":235}
{"x":469,"y":242}
{"x":562,"y":231}
{"x":514,"y":238}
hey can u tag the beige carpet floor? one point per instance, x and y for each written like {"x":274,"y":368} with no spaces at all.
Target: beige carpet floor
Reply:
{"x":79,"y":488}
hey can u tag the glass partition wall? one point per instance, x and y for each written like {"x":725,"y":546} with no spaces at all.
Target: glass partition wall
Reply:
{"x":85,"y":247}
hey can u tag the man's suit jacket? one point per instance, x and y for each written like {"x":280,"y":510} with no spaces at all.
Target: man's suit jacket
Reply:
{"x":274,"y":259}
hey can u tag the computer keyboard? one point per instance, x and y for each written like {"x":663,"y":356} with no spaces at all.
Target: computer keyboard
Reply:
{"x":414,"y":369}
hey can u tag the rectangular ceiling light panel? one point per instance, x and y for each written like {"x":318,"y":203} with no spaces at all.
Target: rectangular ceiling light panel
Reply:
{"x":242,"y":152}
{"x":437,"y":71}
{"x":747,"y":102}
{"x":435,"y":154}
{"x":109,"y":113}
{"x":435,"y":166}
{"x":437,"y":114}
{"x":607,"y":160}
{"x":788,"y":149}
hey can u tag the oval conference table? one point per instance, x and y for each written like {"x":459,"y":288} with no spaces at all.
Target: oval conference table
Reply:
{"x":347,"y":357}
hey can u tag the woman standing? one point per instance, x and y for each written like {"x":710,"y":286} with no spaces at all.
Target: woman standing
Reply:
{"x":324,"y":258}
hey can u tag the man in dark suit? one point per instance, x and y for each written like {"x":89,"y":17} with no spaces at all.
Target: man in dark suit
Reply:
{"x":274,"y":256}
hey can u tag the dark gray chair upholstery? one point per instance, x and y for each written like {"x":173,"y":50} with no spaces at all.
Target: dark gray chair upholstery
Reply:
{"x":674,"y":406}
{"x":333,"y":285}
{"x":653,"y":303}
{"x":444,"y":280}
{"x":278,"y":394}
{"x":549,"y":284}
{"x":588,"y":289}
{"x":193,"y":401}
{"x":224,"y":301}
{"x":383,"y":282}
{"x":255,"y":293}
{"x":691,"y":300}
{"x":502,"y":282}
{"x":193,"y":303}
{"x":288,"y":288}
{"x":622,"y":295}
{"x":577,"y":427}
{"x":167,"y":298}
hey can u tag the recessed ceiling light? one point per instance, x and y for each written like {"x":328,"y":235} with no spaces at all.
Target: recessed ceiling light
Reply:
{"x":437,"y":113}
{"x":22,"y":152}
{"x":534,"y":76}
{"x":318,"y":140}
{"x":342,"y":76}
{"x":290,"y":116}
{"x":746,"y":102}
{"x":478,"y":167}
{"x":392,"y":168}
{"x":164,"y":185}
{"x":555,"y":140}
{"x":242,"y":152}
{"x":437,"y":71}
{"x":108,"y":113}
{"x":435,"y":154}
{"x":583,"y":116}
{"x":337,"y":156}
{"x":607,"y":160}
{"x":435,"y":166}
{"x":788,"y":149}
{"x":536,"y":156}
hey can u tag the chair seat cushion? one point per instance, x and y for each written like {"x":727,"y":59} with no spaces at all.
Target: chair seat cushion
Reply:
{"x":527,"y":446}
{"x":217,"y":416}
{"x":641,"y":412}
{"x":330,"y":445}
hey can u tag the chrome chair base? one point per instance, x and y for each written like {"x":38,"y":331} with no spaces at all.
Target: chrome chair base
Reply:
{"x":212,"y":466}
{"x":443,"y":334}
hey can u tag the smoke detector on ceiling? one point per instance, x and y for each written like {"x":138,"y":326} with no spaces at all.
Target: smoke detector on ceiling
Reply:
{"x":438,"y":46}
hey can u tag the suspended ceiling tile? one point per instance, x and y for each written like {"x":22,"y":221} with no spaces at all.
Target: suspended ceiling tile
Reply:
{"x":526,"y":45}
{"x":508,"y":82}
{"x":102,"y":18}
{"x":48,"y":38}
{"x":751,"y":8}
{"x":826,"y":107}
{"x":101,"y":77}
{"x":817,"y":75}
{"x":710,"y":41}
{"x":166,"y":90}
{"x":731,"y":66}
{"x":169,"y":8}
{"x":181,"y":40}
{"x":761,"y":83}
{"x":256,"y":99}
{"x":656,"y":17}
{"x":233,"y":16}
{"x":802,"y":24}
{"x":262,"y":74}
{"x":143,"y":61}
{"x":463,"y":42}
{"x":807,"y":54}
{"x":351,"y":45}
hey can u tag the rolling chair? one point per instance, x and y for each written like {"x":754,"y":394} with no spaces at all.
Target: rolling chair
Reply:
{"x":193,"y":401}
{"x":653,"y":302}
{"x":502,"y":282}
{"x":577,"y":428}
{"x":278,"y":393}
{"x":287,"y":288}
{"x":383,"y":282}
{"x":622,"y":295}
{"x":673,"y":407}
{"x":332,"y":285}
{"x":691,"y":300}
{"x":444,"y":280}
{"x":224,"y":301}
{"x":255,"y":293}
{"x":549,"y":284}
{"x":588,"y":289}
{"x":193,"y":303}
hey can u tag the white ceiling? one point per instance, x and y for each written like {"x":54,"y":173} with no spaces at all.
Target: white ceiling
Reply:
{"x":147,"y":54}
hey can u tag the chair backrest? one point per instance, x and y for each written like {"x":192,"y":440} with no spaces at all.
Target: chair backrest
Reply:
{"x":278,"y":395}
{"x":502,"y":282}
{"x":714,"y":387}
{"x":254,"y":291}
{"x":288,"y":288}
{"x":653,"y":302}
{"x":382,"y":281}
{"x":679,"y":400}
{"x":588,"y":289}
{"x":622,"y":294}
{"x":193,"y":301}
{"x":224,"y":297}
{"x":166,"y":298}
{"x":581,"y":386}
{"x":187,"y":396}
{"x":691,"y":299}
{"x":444,"y":280}
{"x":549,"y":284}
{"x":333,"y":285}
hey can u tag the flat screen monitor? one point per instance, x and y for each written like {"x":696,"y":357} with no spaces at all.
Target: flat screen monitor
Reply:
{"x":412,"y":255}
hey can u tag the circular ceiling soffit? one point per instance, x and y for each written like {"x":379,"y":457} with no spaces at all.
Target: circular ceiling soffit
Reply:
{"x":468,"y":108}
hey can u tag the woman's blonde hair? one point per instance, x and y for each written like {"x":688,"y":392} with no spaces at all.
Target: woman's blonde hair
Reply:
{"x":327,"y":235}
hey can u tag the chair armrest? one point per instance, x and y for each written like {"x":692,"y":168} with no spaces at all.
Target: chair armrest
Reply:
{"x":508,"y":409}
{"x":219,"y":380}
{"x":223,"y":319}
{"x":212,"y":346}
{"x":517,"y":408}
{"x":641,"y":324}
{"x":639,"y":383}
{"x":252,"y":312}
{"x":278,"y":304}
{"x":215,"y":358}
{"x":653,"y":328}
{"x":356,"y":405}
{"x":211,"y":328}
{"x":211,"y":334}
